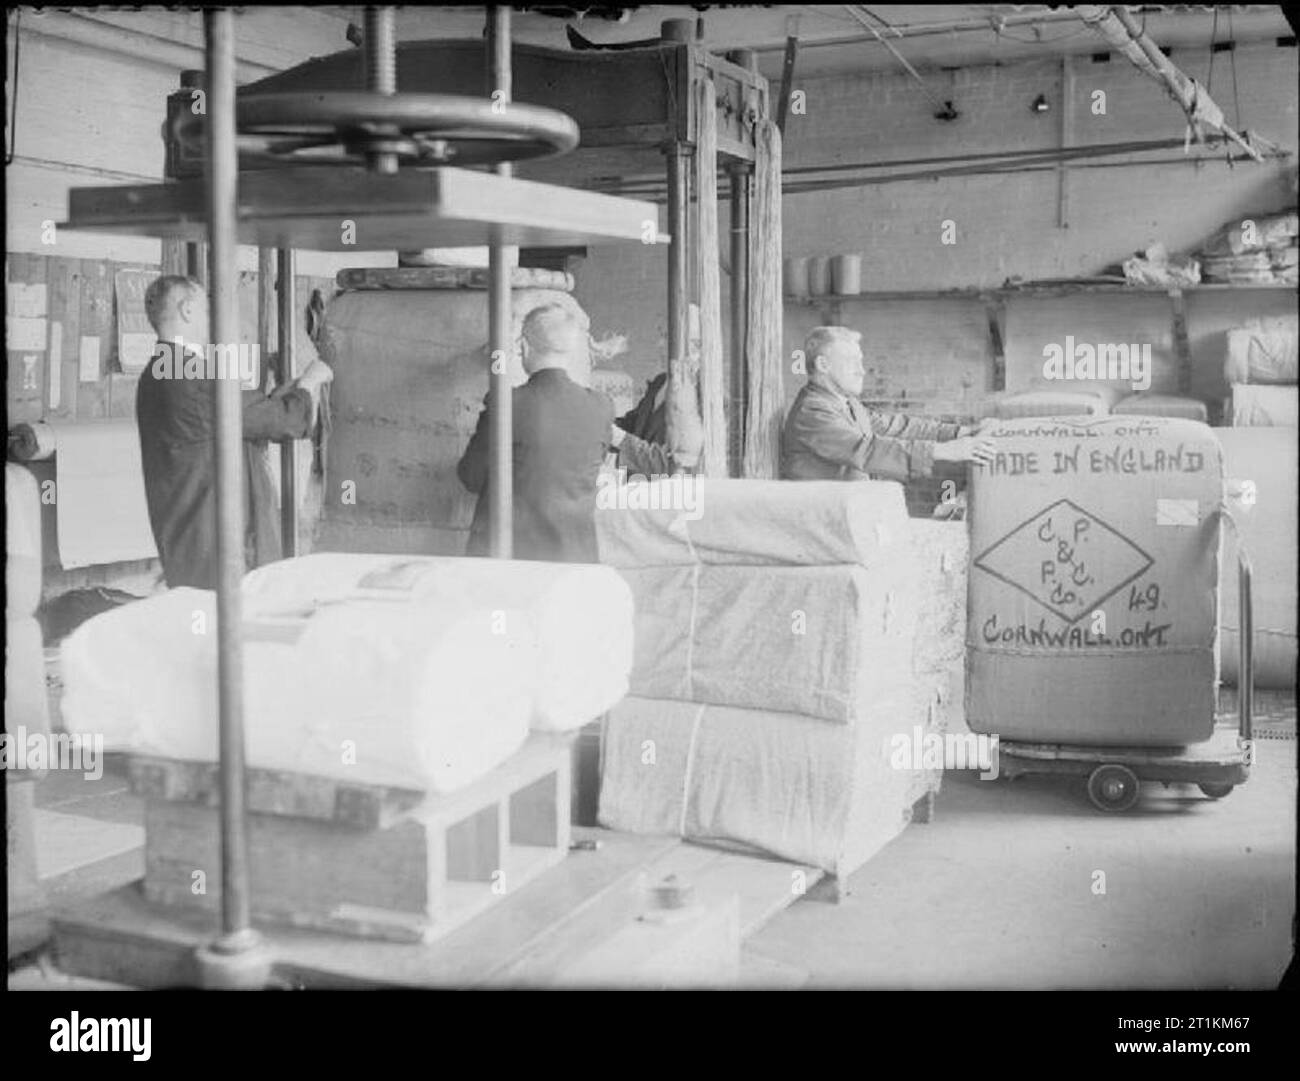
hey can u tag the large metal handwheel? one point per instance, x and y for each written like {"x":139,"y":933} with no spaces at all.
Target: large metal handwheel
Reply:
{"x":1113,"y":787}
{"x":343,"y":127}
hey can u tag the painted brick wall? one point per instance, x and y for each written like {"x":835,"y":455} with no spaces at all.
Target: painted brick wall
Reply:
{"x":1007,"y":225}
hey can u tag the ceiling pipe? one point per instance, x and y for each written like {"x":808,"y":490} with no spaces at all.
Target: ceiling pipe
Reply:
{"x":1122,"y":32}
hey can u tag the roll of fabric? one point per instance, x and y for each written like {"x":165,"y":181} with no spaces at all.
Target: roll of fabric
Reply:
{"x":581,"y":615}
{"x":1257,"y":406}
{"x":1047,"y":403}
{"x":420,"y":697}
{"x":833,"y":643}
{"x":1266,"y":457}
{"x":22,"y":542}
{"x":687,"y":520}
{"x":26,"y":699}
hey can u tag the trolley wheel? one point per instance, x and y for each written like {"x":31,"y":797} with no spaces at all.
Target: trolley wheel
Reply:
{"x":1113,"y":788}
{"x":1216,"y":789}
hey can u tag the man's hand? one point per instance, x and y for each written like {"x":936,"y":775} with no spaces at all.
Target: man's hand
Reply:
{"x":982,"y":428}
{"x":616,"y":435}
{"x":685,"y":428}
{"x":977,"y":449}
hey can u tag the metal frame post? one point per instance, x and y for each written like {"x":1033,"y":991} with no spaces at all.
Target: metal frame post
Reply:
{"x":739,"y":173}
{"x":222,"y":168}
{"x":287,"y":304}
{"x":678,"y":270}
{"x":500,"y":400}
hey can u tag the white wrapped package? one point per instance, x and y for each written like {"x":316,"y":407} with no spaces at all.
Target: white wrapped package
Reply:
{"x":1257,"y":406}
{"x":682,"y":519}
{"x":834,"y":643}
{"x":371,"y":692}
{"x":1267,"y":458}
{"x":1263,"y":351}
{"x":580,"y":614}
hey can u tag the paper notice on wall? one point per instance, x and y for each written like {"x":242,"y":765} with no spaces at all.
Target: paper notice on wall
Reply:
{"x":55,"y":366}
{"x":101,"y":510}
{"x":26,"y":301}
{"x":134,"y":351}
{"x":88,"y":360}
{"x":25,"y":334}
{"x":135,"y":337}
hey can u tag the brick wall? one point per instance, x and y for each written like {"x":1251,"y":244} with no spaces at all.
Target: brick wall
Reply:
{"x":1007,"y":225}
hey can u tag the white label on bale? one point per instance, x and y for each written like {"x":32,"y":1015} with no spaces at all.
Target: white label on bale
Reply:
{"x":1179,"y":512}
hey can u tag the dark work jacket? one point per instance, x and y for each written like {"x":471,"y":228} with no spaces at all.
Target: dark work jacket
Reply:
{"x":177,"y":421}
{"x":828,"y":436}
{"x":561,"y":434}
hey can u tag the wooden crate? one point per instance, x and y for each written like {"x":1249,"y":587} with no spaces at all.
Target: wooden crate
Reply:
{"x":364,"y":862}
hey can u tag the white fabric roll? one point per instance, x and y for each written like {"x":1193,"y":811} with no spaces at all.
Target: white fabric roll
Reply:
{"x":26,"y":699}
{"x":580,"y":614}
{"x":371,"y":693}
{"x":1259,"y":406}
{"x":705,"y":520}
{"x":22,"y":542}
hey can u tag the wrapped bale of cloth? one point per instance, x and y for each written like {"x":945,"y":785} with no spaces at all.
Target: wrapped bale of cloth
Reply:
{"x":580,"y":614}
{"x":1094,"y":582}
{"x":827,"y":795}
{"x":1263,"y":351}
{"x":942,"y":551}
{"x":403,"y":696}
{"x":685,"y":520}
{"x":830,"y":642}
{"x":1252,"y":406}
{"x":1048,"y":403}
{"x":1266,"y":457}
{"x":1161,"y":405}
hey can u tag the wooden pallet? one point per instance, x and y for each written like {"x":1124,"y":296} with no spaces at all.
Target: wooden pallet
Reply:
{"x":361,"y":861}
{"x":576,"y":925}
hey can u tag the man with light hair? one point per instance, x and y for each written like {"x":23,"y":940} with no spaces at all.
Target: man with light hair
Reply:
{"x":561,"y":433}
{"x":176,"y":414}
{"x":830,"y":435}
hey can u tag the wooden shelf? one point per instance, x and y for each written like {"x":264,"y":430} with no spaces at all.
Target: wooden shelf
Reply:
{"x":1032,"y":290}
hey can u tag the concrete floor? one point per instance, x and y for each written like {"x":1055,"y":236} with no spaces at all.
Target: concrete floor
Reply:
{"x":1001,"y":890}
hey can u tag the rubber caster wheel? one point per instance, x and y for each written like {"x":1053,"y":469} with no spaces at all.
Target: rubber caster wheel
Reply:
{"x":1216,"y":789}
{"x":1113,"y":788}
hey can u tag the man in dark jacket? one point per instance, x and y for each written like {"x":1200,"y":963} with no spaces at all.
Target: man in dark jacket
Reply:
{"x":176,"y":413}
{"x":830,"y":435}
{"x":561,"y":433}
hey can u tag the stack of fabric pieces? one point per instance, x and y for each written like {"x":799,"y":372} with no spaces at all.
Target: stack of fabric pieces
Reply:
{"x":776,"y":664}
{"x":1254,"y":251}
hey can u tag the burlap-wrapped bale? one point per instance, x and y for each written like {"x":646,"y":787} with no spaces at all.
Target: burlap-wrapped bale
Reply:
{"x":1094,"y":582}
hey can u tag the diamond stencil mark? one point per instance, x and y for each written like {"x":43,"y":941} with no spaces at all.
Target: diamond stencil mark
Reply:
{"x":1065,"y":558}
